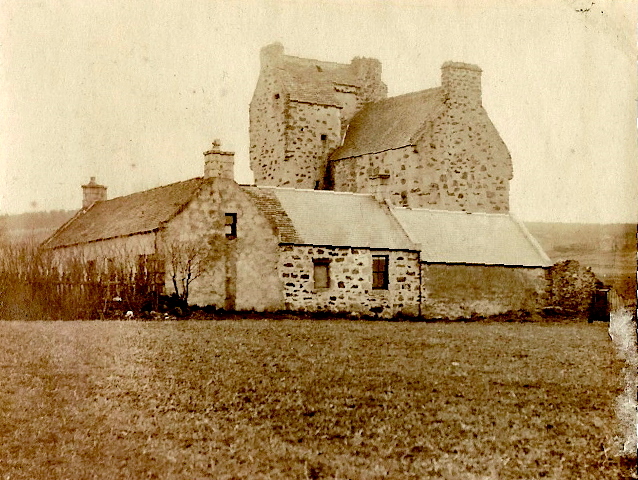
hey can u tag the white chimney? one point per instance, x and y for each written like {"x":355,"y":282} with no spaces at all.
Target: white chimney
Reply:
{"x":92,"y":192}
{"x":218,"y":164}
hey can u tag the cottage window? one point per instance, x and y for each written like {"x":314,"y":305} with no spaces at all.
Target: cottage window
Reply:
{"x":322,"y":273}
{"x":380,"y":272}
{"x":230,"y":226}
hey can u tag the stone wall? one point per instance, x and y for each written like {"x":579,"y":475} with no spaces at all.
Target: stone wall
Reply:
{"x":268,"y":110}
{"x":242,"y":273}
{"x":312,"y":132}
{"x":290,"y":140}
{"x":458,"y":160}
{"x":350,"y":288}
{"x":463,"y":291}
{"x":405,"y":184}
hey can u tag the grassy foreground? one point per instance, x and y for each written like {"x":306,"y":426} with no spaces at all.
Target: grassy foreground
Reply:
{"x":307,"y":399}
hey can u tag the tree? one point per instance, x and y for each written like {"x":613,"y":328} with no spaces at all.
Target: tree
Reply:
{"x":187,"y":261}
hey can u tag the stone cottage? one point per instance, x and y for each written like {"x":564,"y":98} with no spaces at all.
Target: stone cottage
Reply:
{"x":361,"y":204}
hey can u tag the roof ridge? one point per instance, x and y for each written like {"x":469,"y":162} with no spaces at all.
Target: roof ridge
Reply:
{"x":153,"y":188}
{"x":315,"y":60}
{"x":459,"y":212}
{"x":336,"y":192}
{"x":407,"y":95}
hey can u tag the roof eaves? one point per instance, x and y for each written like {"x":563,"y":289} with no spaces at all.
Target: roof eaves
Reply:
{"x":63,"y":227}
{"x":366,"y":247}
{"x":376,"y":152}
{"x":308,"y":102}
{"x":532,"y":240}
{"x":477,"y":264}
{"x":95,"y":240}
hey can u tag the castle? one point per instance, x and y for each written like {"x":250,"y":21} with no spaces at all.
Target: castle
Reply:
{"x":330,"y":126}
{"x":362,"y":203}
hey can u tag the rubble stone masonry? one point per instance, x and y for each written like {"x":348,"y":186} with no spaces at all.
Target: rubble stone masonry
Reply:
{"x":457,"y":161}
{"x":350,"y":289}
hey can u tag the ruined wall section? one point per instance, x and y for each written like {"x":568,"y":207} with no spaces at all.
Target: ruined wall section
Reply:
{"x":235,"y":263}
{"x":268,"y":111}
{"x":464,"y":291}
{"x":350,"y":288}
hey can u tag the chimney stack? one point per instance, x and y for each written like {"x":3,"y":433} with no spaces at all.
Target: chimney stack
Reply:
{"x":92,"y":192}
{"x":461,"y":83}
{"x":218,"y":164}
{"x":271,"y":54}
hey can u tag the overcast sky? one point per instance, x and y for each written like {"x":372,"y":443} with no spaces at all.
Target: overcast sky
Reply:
{"x":132,"y":92}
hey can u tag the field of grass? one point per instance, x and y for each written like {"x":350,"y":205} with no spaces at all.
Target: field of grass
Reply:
{"x":258,"y":399}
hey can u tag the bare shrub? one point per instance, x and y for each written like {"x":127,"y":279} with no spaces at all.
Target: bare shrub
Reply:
{"x":188,"y":260}
{"x":37,"y":284}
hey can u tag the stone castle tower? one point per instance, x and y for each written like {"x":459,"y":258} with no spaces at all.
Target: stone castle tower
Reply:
{"x":299,"y":114}
{"x":323,"y":125}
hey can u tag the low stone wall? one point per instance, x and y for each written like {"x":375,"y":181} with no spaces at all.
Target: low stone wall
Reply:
{"x":350,"y":289}
{"x":463,"y":291}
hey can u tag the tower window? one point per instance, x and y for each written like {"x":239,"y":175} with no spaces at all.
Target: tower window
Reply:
{"x":230,"y":225}
{"x":324,"y":137}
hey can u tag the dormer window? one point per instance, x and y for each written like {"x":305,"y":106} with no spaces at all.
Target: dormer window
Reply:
{"x":230,"y":226}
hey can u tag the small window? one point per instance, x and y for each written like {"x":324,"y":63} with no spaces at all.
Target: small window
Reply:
{"x":380,"y":272}
{"x":230,"y":227}
{"x":322,"y":273}
{"x":324,"y":137}
{"x":276,"y":96}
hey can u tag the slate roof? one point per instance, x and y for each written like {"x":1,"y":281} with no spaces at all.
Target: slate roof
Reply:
{"x":390,"y":123}
{"x":131,"y":214}
{"x":476,"y":238}
{"x":316,"y":217}
{"x":268,"y":203}
{"x":313,"y":81}
{"x":333,"y":218}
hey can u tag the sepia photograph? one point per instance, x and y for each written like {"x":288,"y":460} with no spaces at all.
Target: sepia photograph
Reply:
{"x":323,"y":239}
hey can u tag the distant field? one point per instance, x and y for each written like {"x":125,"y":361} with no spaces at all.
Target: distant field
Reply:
{"x":307,"y":399}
